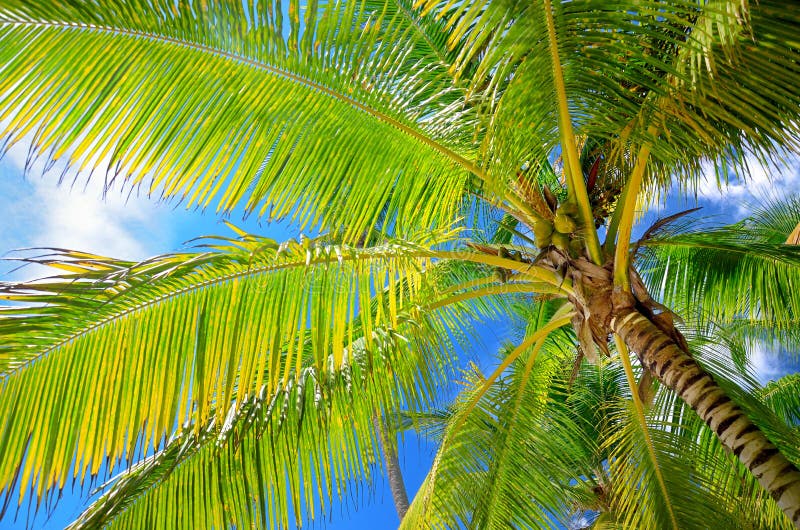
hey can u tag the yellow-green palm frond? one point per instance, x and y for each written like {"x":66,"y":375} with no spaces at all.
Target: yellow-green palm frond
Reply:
{"x":182,"y":338}
{"x":684,"y":78}
{"x":661,"y":491}
{"x":278,"y":458}
{"x":730,"y":274}
{"x":623,"y":472}
{"x":783,"y":397}
{"x":500,"y":443}
{"x":274,"y":108}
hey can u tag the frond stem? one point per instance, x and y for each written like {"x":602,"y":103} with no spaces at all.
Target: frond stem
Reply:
{"x":561,"y":318}
{"x":576,"y":186}
{"x":523,"y":384}
{"x":626,"y":219}
{"x":490,"y":290}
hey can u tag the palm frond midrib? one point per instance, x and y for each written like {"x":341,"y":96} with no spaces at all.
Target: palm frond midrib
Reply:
{"x":397,"y":122}
{"x":142,"y":301}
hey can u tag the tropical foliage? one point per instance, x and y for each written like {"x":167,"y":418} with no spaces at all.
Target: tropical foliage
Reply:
{"x":461,"y":162}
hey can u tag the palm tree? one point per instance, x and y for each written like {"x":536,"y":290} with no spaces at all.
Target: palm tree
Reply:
{"x":252,"y":372}
{"x":580,"y":454}
{"x":569,"y":433}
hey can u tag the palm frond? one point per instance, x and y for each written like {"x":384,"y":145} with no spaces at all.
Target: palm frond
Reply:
{"x":735,"y":272}
{"x":490,"y":459}
{"x":716,"y":475}
{"x":232,"y":105}
{"x":278,"y":458}
{"x":635,"y":494}
{"x":178,"y":339}
{"x":695,"y":468}
{"x":684,"y":78}
{"x":783,"y":397}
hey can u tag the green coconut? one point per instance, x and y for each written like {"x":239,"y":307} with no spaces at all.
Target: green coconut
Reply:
{"x":576,"y":247}
{"x":564,"y":224}
{"x":567,"y":208}
{"x":561,"y":240}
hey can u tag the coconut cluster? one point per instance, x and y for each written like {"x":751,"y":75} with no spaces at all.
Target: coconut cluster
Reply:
{"x":561,"y":230}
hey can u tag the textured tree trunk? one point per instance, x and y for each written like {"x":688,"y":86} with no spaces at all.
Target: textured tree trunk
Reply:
{"x":677,"y":370}
{"x":393,"y":471}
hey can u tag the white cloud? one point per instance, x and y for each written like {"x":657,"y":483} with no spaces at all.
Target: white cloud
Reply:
{"x":82,"y":219}
{"x":763,"y":181}
{"x":78,"y":216}
{"x":767,"y":362}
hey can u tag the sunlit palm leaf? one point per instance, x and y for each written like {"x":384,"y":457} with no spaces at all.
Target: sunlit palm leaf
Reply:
{"x":706,"y":484}
{"x":259,"y":109}
{"x":689,"y":451}
{"x":178,"y":338}
{"x":289,"y":453}
{"x":491,"y":460}
{"x":690,"y":73}
{"x":739,"y":271}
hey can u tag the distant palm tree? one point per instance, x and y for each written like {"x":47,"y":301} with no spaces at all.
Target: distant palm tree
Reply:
{"x":241,"y":383}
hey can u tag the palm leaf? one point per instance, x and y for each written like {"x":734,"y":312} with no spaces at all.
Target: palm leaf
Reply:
{"x":735,"y":272}
{"x":482,"y":475}
{"x":683,"y":78}
{"x":716,"y":474}
{"x":288,"y":453}
{"x":253,"y":108}
{"x":636,"y":495}
{"x":695,"y":468}
{"x":177,"y":339}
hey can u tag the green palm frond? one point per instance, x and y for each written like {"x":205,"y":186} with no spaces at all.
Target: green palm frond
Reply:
{"x":280,"y":457}
{"x":689,"y":451}
{"x":618,"y":480}
{"x":636,"y":496}
{"x":729,"y":273}
{"x":178,"y":338}
{"x":751,"y":332}
{"x":684,"y":78}
{"x":491,"y":459}
{"x":783,"y":396}
{"x":774,"y":218}
{"x":350,"y":106}
{"x":707,"y":486}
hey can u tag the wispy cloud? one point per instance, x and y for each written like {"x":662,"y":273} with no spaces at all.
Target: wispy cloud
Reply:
{"x":40,"y":212}
{"x":770,"y":363}
{"x":763,"y":181}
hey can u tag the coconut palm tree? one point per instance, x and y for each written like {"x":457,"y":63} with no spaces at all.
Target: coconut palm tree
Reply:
{"x":240,"y":382}
{"x":568,"y":431}
{"x":572,"y":439}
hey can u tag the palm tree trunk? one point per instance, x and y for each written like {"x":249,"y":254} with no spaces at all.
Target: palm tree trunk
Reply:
{"x":678,"y":371}
{"x":396,"y":484}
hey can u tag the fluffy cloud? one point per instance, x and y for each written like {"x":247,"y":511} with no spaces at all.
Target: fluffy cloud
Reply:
{"x":762,"y":182}
{"x":40,"y":212}
{"x":83,"y":219}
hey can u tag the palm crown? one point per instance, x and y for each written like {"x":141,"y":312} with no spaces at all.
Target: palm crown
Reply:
{"x":252,"y":372}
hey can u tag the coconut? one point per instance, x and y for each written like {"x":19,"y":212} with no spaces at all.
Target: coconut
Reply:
{"x":567,"y":208}
{"x":564,"y":224}
{"x":561,"y":240}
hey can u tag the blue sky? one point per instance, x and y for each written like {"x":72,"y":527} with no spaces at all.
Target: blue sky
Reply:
{"x":37,"y":212}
